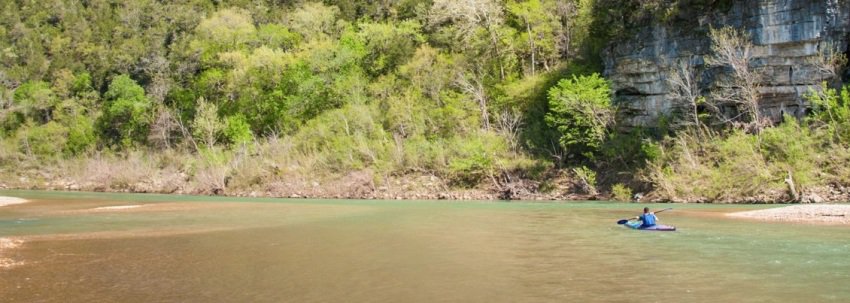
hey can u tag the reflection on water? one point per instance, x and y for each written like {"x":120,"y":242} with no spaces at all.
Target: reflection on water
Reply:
{"x":198,"y":249}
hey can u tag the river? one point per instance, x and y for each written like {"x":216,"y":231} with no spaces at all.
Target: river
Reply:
{"x":86,"y":247}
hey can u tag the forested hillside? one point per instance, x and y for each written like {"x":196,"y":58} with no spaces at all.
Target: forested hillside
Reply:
{"x":448,"y":99}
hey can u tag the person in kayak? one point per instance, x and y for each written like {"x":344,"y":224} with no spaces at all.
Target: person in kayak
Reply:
{"x":648,"y":218}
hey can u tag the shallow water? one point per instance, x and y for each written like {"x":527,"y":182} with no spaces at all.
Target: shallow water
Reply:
{"x":205,"y":249}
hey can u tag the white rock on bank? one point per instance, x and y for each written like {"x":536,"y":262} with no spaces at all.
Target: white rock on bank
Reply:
{"x":11,"y":200}
{"x":809,"y":213}
{"x":118,"y":207}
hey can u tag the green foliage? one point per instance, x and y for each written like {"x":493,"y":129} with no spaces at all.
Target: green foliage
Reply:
{"x":82,"y":136}
{"x":539,"y":31}
{"x":458,"y":89}
{"x":471,"y":170}
{"x":36,"y":100}
{"x":791,"y":147}
{"x":313,"y":19}
{"x":82,"y":84}
{"x":475,"y":158}
{"x":277,"y":36}
{"x":389,"y":45}
{"x":587,"y":179}
{"x":227,"y":29}
{"x":621,"y":193}
{"x":211,"y":83}
{"x":345,"y":139}
{"x":207,"y":125}
{"x":630,"y":149}
{"x":581,"y":111}
{"x":237,"y":131}
{"x":128,"y":113}
{"x":44,"y":140}
{"x":737,"y":167}
{"x":832,"y":111}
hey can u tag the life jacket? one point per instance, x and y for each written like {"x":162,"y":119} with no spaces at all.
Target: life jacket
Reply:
{"x":648,"y":219}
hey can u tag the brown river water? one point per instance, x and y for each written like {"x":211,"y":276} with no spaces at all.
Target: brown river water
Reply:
{"x":79,"y":247}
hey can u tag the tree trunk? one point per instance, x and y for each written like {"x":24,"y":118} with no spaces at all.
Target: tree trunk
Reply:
{"x":531,"y":45}
{"x":792,"y":189}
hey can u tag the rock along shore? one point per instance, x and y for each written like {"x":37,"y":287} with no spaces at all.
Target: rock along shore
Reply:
{"x":804,"y":213}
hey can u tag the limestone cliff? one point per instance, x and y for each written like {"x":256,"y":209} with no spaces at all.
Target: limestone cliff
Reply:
{"x":786,"y":35}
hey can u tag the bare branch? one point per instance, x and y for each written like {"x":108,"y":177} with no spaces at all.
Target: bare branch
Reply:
{"x":509,"y":124}
{"x":684,"y":87}
{"x":829,"y":61}
{"x":733,"y":49}
{"x":471,"y":84}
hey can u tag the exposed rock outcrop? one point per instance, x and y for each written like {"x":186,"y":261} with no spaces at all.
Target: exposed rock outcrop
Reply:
{"x":787,"y":34}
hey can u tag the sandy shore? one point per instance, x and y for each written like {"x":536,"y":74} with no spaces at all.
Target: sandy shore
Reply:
{"x":11,"y":200}
{"x":804,"y":213}
{"x":118,"y":207}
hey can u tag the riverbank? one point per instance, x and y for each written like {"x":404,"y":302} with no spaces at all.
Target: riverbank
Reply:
{"x":838,"y":214}
{"x":559,"y":185}
{"x":362,"y":184}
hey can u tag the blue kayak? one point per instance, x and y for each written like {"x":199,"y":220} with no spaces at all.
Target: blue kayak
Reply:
{"x":657,"y":227}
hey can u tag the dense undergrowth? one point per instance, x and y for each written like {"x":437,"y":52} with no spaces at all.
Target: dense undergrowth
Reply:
{"x":238,"y":97}
{"x":802,"y":160}
{"x":230,"y":97}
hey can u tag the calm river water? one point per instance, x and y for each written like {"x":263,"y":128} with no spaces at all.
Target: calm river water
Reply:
{"x":65,"y":247}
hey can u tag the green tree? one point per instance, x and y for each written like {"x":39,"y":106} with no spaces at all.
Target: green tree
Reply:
{"x":313,"y":20}
{"x":226,"y":30}
{"x":581,"y":111}
{"x":81,"y":135}
{"x":36,"y":100}
{"x":207,"y":125}
{"x":539,"y":28}
{"x":831,"y":109}
{"x":277,"y":36}
{"x":237,"y":130}
{"x":476,"y":27}
{"x":389,"y":45}
{"x":128,"y":113}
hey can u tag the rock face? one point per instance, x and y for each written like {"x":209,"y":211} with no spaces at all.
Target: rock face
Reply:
{"x":786,"y":34}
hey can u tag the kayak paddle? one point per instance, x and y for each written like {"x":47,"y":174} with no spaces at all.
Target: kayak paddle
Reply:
{"x":623,"y":221}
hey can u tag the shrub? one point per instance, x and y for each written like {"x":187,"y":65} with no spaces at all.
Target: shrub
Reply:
{"x":587,"y":179}
{"x":119,"y":172}
{"x":473,"y":159}
{"x":211,"y":171}
{"x":81,"y":135}
{"x":621,"y":193}
{"x":345,"y":139}
{"x":470,"y":170}
{"x":791,"y":149}
{"x":43,"y":140}
{"x":741,"y":167}
{"x":832,"y":110}
{"x":423,"y":153}
{"x":207,"y":125}
{"x":629,"y":149}
{"x":237,"y":130}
